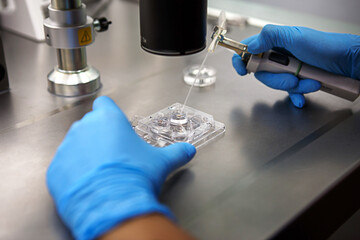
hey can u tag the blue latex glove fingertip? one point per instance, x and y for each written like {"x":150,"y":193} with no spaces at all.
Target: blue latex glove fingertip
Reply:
{"x":104,"y":102}
{"x":279,"y":81}
{"x":306,"y":86}
{"x":254,"y":46}
{"x":297,"y":99}
{"x":177,"y":155}
{"x":249,"y":41}
{"x":191,"y":150}
{"x":239,"y":65}
{"x":180,"y":152}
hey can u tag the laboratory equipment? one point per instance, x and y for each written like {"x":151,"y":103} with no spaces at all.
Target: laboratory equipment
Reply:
{"x":201,"y":75}
{"x":4,"y":82}
{"x":276,"y":62}
{"x":206,"y":77}
{"x":70,"y":30}
{"x":177,"y":28}
{"x":171,"y":28}
{"x":24,"y":17}
{"x":272,"y":159}
{"x":178,"y":123}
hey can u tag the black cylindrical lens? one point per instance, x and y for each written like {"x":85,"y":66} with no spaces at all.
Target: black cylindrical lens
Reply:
{"x":173,"y":27}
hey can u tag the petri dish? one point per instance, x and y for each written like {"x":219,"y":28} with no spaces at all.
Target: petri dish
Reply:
{"x":207,"y":76}
{"x":178,"y":124}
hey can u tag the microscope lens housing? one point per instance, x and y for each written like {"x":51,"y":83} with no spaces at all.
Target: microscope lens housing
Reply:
{"x":176,"y":27}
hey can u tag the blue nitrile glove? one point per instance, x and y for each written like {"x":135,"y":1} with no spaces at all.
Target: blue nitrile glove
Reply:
{"x":334,"y":52}
{"x":103,"y":173}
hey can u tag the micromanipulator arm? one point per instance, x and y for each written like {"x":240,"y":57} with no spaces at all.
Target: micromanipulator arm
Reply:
{"x":276,"y":62}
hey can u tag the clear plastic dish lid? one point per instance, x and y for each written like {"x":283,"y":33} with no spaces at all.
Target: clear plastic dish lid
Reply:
{"x":178,"y":124}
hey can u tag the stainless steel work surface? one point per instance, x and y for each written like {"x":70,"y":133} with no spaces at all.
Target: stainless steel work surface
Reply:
{"x":273,"y":161}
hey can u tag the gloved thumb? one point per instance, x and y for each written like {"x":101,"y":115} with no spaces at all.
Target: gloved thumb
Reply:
{"x":297,"y":99}
{"x":105,"y":102}
{"x":178,"y":154}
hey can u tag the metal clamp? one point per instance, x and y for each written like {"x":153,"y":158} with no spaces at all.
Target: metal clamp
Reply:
{"x":69,"y":29}
{"x":239,"y":48}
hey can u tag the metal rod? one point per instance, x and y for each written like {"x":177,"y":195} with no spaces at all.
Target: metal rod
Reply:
{"x":71,"y":59}
{"x":65,"y":4}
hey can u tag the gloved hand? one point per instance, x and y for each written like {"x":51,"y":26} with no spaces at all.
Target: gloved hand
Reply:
{"x":333,"y":52}
{"x":103,"y":173}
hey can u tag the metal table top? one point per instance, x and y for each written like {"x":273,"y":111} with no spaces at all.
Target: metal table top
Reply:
{"x":272,"y":163}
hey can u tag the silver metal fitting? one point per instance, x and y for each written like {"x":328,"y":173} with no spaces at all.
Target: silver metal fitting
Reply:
{"x":240,"y":48}
{"x":73,"y":83}
{"x":70,"y":30}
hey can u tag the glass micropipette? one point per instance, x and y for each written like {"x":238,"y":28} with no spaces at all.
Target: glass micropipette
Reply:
{"x":211,"y":49}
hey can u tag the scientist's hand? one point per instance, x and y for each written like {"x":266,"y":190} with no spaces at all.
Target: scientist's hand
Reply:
{"x":333,"y":52}
{"x":103,"y":173}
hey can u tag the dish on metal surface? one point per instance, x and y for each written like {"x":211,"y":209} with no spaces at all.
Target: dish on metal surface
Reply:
{"x":206,"y":77}
{"x":178,"y":124}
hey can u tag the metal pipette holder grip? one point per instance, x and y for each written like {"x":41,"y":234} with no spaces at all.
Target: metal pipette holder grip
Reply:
{"x":334,"y":84}
{"x":275,"y":62}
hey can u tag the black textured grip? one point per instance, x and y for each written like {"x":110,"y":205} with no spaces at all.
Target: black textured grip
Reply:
{"x":279,"y":58}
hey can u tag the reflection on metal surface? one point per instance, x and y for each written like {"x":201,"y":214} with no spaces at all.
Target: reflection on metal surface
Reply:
{"x":206,"y":77}
{"x":341,"y":116}
{"x":178,"y":124}
{"x":43,"y":116}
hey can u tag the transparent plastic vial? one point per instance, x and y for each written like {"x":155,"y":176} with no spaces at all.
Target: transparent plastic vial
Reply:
{"x":207,"y":76}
